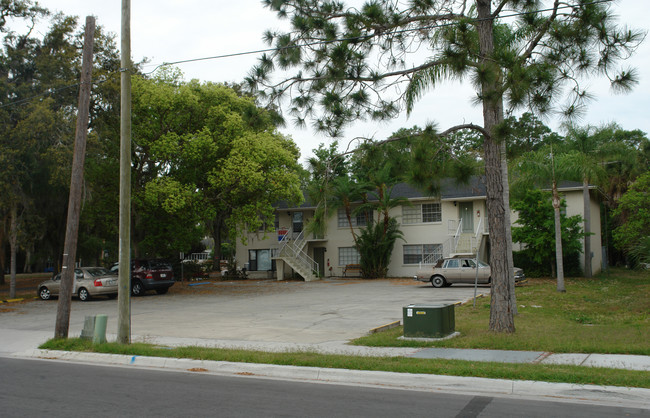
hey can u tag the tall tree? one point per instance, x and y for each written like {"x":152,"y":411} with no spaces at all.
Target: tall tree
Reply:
{"x":38,"y":94}
{"x":534,"y":225}
{"x":526,"y":134}
{"x":541,"y":169}
{"x":586,"y":153}
{"x":349,"y":60}
{"x":631,"y":236}
{"x":204,"y":155}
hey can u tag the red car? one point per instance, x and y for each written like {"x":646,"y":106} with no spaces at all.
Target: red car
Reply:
{"x":146,"y":275}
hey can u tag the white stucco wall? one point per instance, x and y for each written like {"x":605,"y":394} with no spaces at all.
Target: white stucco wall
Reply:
{"x":418,"y":233}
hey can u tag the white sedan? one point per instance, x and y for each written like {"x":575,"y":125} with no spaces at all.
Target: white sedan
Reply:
{"x":88,"y":282}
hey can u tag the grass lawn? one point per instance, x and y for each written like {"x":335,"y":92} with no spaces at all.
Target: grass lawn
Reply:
{"x":607,"y":314}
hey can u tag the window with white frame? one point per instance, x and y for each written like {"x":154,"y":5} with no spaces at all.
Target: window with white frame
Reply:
{"x":422,"y":213}
{"x":422,"y":253}
{"x":348,"y":255}
{"x":358,"y":219}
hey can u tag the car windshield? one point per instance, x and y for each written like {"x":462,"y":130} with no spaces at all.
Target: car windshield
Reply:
{"x":98,"y":271}
{"x":159,"y":265}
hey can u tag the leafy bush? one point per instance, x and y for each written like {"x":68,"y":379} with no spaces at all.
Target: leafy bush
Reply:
{"x":375,"y":245}
{"x":536,"y":230}
{"x":532,"y":268}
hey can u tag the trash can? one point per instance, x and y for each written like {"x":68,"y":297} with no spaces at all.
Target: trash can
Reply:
{"x":428,"y":321}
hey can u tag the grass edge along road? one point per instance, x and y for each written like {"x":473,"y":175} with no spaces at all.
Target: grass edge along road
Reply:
{"x":536,"y":372}
{"x":614,"y":305}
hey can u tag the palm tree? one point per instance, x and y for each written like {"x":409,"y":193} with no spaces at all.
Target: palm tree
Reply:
{"x":539,"y":168}
{"x":585,"y":153}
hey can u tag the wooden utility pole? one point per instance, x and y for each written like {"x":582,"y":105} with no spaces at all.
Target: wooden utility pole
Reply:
{"x":124,"y":298}
{"x":76,"y":182}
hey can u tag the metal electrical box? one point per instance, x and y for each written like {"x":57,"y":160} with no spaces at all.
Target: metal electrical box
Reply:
{"x":428,"y":321}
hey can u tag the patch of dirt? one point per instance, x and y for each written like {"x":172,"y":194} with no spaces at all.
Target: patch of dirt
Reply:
{"x":25,"y":284}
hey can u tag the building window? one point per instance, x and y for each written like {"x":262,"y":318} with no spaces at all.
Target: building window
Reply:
{"x":359,"y":219}
{"x":297,"y":223}
{"x":431,"y":212}
{"x":260,"y":260}
{"x":422,"y":213}
{"x":348,"y":255}
{"x":422,"y":253}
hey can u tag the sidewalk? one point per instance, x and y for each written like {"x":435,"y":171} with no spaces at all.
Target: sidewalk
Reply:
{"x":25,"y":343}
{"x":615,"y":361}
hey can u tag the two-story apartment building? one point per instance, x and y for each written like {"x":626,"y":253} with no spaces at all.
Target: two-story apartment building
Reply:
{"x":454,"y":223}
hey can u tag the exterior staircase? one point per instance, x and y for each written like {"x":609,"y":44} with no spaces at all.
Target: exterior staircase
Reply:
{"x":467,"y":243}
{"x":292,"y":252}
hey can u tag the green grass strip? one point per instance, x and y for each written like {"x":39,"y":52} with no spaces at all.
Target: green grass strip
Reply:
{"x":536,"y":372}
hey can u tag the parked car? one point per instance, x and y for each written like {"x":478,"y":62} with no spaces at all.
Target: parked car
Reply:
{"x":88,"y":282}
{"x":146,"y":275}
{"x":448,"y":271}
{"x":151,"y":275}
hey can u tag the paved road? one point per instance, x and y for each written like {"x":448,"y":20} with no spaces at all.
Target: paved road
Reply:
{"x":289,"y":312}
{"x":63,"y":390}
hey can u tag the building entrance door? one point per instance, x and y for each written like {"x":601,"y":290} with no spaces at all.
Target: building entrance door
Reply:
{"x":466,"y":210}
{"x":319,"y":257}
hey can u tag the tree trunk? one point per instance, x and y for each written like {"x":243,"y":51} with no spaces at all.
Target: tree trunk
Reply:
{"x":506,"y":208}
{"x":27,"y":268}
{"x":13,"y":241}
{"x":558,"y":240}
{"x":587,"y":227}
{"x":216,"y":227}
{"x":501,"y":314}
{"x":3,"y":229}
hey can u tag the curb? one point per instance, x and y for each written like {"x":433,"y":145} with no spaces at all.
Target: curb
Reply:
{"x":17,"y":299}
{"x":560,"y":392}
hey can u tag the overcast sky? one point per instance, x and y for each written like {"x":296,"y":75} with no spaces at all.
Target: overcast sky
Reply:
{"x":174,"y":30}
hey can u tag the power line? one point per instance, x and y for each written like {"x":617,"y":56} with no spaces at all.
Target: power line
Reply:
{"x":315,"y":43}
{"x":361,"y":38}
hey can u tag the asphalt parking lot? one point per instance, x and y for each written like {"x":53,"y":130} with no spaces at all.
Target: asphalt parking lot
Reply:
{"x":330,"y":310}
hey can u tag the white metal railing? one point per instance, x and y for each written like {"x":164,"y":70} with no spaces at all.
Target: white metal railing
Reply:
{"x":456,"y":237}
{"x":430,"y":259}
{"x":294,"y":248}
{"x":451,"y":226}
{"x":197,"y":257}
{"x":478,"y":230}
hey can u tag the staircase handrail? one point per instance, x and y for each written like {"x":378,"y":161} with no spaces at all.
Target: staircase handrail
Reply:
{"x":294,"y":248}
{"x":457,"y":235}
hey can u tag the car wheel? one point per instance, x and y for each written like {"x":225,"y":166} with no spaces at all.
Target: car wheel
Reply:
{"x":162,"y":291}
{"x":44,"y":293}
{"x":437,"y":281}
{"x":137,"y":289}
{"x":84,"y":295}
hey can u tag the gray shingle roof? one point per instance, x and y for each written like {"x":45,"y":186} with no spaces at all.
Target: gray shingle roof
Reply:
{"x":450,"y":189}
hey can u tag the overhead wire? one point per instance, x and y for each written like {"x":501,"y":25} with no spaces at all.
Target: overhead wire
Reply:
{"x":315,"y":43}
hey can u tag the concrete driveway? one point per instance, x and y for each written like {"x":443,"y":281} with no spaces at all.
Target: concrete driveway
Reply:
{"x":331,"y":310}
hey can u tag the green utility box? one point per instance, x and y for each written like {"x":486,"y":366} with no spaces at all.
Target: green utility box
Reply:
{"x":428,"y":321}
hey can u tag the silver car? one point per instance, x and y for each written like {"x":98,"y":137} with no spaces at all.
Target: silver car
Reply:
{"x":459,"y":270}
{"x":88,"y":282}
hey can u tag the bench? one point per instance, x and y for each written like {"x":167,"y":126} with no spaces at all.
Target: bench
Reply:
{"x":351,"y":268}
